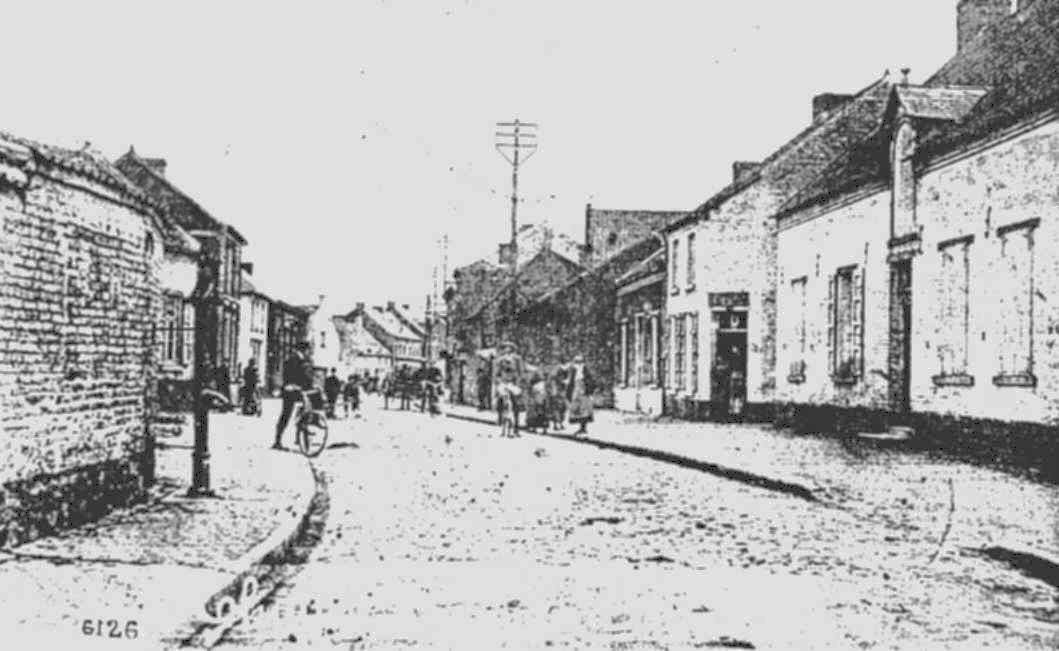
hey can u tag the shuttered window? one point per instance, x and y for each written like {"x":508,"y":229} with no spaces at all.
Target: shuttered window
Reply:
{"x":1014,"y":283}
{"x":846,"y":330}
{"x":953,"y":307}
{"x":694,"y":319}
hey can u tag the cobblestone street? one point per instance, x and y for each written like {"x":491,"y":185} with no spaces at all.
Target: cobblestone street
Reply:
{"x":443,"y":535}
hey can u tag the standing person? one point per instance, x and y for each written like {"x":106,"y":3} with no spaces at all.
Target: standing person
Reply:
{"x":351,"y":393}
{"x":579,"y":389}
{"x":332,"y":389}
{"x":557,"y":399}
{"x":386,"y":387}
{"x":297,"y":378}
{"x":510,"y":371}
{"x":537,"y":402}
{"x":251,"y":378}
{"x":405,"y":381}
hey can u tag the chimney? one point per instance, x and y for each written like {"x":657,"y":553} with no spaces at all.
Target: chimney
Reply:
{"x":742,"y":169}
{"x":406,"y":307}
{"x":504,"y":254}
{"x":156,"y":165}
{"x":974,"y":16}
{"x":360,"y":307}
{"x":826,"y":102}
{"x":390,"y":305}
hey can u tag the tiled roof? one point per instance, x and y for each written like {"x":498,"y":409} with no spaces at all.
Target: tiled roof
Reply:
{"x":92,"y":165}
{"x":357,"y":340}
{"x":797,"y":163}
{"x":390,"y":323}
{"x":248,"y":287}
{"x":1007,"y":74}
{"x":187,"y":213}
{"x":518,"y":286}
{"x":652,"y":264}
{"x":637,"y":249}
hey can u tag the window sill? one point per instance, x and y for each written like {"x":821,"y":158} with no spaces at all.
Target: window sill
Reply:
{"x":844,"y":381}
{"x":1015,"y":380}
{"x":673,"y":291}
{"x":690,"y":288}
{"x":796,"y":379}
{"x":953,"y":380}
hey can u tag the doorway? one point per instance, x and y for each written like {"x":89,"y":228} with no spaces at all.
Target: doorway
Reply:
{"x":900,"y":353}
{"x":729,"y":364}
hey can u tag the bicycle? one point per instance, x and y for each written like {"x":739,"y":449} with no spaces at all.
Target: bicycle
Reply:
{"x":311,"y":423}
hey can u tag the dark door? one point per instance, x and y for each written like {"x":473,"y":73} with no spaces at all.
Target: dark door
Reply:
{"x":728,"y":372}
{"x":900,"y":354}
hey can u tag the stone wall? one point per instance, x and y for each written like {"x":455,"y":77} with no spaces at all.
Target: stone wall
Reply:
{"x":79,"y":303}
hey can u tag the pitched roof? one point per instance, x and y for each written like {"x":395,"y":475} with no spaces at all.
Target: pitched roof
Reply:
{"x":248,"y":287}
{"x":652,"y":264}
{"x":92,"y":165}
{"x":390,"y":323}
{"x":357,"y":340}
{"x":1009,"y":73}
{"x":636,"y":249}
{"x":814,"y":149}
{"x":514,"y":283}
{"x":187,"y":213}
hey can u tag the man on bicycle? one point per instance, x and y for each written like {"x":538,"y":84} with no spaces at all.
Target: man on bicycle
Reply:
{"x":297,"y":379}
{"x":509,"y":370}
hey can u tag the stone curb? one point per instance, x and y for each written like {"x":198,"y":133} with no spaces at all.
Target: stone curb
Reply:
{"x":237,"y":598}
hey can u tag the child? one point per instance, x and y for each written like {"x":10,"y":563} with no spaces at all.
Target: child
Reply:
{"x":351,"y":395}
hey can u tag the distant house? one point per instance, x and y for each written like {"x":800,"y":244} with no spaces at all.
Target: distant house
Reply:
{"x":218,"y":240}
{"x":84,"y":259}
{"x":288,"y":325}
{"x":361,"y":351}
{"x":253,"y":328}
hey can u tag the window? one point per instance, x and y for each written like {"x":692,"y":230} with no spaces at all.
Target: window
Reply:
{"x":953,"y":311}
{"x":845,"y":298}
{"x":1014,"y":282}
{"x":797,"y":334}
{"x":671,"y":350}
{"x":630,"y":353}
{"x":694,"y":324}
{"x":323,"y":339}
{"x":674,"y":254}
{"x":689,"y":273}
{"x":647,"y":350}
{"x":681,"y":350}
{"x":176,"y":342}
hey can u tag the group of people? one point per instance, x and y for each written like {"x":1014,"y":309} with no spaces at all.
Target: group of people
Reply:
{"x":549,"y":397}
{"x":406,"y":384}
{"x":347,"y":391}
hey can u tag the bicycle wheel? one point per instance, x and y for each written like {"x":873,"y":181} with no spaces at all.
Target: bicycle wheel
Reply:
{"x":312,"y":434}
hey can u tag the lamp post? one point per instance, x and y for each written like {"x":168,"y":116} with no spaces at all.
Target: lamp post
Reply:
{"x":206,"y":300}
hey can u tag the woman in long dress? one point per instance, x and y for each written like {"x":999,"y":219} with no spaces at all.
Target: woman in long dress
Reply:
{"x":537,"y":403}
{"x":580,"y":386}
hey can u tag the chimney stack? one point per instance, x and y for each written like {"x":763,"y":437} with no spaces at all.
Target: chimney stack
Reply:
{"x":360,"y":307}
{"x":156,"y":165}
{"x":742,"y":169}
{"x":390,"y":305}
{"x":975,"y":16}
{"x":825,"y":103}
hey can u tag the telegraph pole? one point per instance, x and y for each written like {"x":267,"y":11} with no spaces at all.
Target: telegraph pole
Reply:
{"x":511,"y":144}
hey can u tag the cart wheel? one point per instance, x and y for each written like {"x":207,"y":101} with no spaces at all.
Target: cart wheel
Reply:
{"x":249,"y":589}
{"x":221,"y":609}
{"x":312,"y":434}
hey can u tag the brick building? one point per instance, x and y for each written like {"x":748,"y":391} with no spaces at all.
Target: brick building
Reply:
{"x":218,"y":240}
{"x":578,"y":318}
{"x":83,"y":258}
{"x":918,"y":272}
{"x":721,"y":294}
{"x":287,"y":326}
{"x":609,"y":231}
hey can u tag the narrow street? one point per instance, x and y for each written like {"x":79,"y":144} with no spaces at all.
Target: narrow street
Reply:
{"x":443,"y":535}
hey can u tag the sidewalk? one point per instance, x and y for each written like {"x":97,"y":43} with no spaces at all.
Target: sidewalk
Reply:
{"x":158,"y":564}
{"x":966,"y":508}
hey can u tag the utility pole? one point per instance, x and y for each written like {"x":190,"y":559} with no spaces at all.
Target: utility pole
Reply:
{"x":511,"y":145}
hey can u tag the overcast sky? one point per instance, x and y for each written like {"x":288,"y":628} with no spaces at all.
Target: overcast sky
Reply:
{"x":344,"y":138}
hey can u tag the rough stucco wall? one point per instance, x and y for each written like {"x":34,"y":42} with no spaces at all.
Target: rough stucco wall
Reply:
{"x":79,"y":304}
{"x":1006,"y":184}
{"x":856,"y":234}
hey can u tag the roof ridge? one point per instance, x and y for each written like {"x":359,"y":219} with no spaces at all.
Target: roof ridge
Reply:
{"x":142,"y":162}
